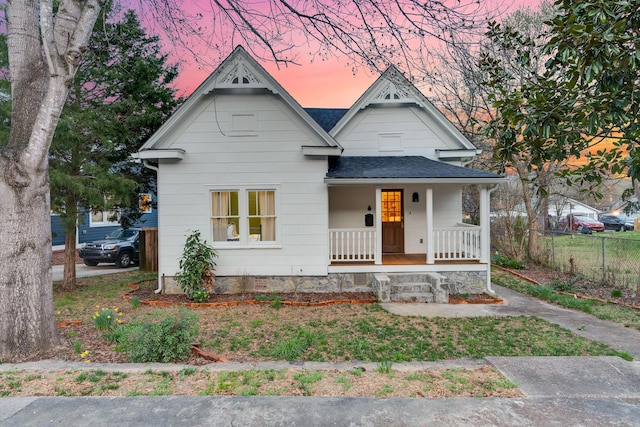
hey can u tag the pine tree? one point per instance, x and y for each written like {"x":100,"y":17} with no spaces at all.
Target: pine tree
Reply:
{"x":120,"y":96}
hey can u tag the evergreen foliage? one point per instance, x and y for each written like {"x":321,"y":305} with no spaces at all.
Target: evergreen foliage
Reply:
{"x":196,"y":268}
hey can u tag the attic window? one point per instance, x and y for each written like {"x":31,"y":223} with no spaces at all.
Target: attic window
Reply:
{"x":390,"y":96}
{"x":236,"y":80}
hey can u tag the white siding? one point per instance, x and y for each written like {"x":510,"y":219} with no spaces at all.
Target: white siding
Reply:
{"x":272,"y":158}
{"x":419,"y":134}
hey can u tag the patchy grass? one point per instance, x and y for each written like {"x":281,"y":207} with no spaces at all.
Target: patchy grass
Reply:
{"x":332,"y":333}
{"x":480,"y":382}
{"x":616,"y":313}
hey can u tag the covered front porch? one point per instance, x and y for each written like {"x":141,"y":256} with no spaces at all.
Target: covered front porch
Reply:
{"x":410,"y":225}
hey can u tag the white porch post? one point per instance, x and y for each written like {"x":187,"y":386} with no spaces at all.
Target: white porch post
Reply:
{"x":485,"y":243}
{"x":429,"y":221}
{"x":378,"y":256}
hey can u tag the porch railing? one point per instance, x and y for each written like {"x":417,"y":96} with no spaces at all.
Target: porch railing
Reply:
{"x":458,"y":243}
{"x":352,"y":244}
{"x":461,"y":242}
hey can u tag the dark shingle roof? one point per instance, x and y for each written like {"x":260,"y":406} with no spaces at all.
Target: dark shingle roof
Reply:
{"x":326,"y":117}
{"x":399,"y":167}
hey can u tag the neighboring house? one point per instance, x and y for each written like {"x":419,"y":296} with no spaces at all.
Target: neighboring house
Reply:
{"x":560,"y":207}
{"x":95,"y":225}
{"x":368,"y":198}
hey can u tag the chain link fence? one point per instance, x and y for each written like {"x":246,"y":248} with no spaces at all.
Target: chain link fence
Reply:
{"x":602,"y":257}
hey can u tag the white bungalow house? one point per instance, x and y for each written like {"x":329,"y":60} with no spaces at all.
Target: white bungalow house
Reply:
{"x":365,"y":198}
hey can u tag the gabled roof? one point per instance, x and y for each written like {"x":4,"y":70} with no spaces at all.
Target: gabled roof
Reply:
{"x":238,"y":73}
{"x":393,"y":88}
{"x":327,"y":117}
{"x":351,"y":169}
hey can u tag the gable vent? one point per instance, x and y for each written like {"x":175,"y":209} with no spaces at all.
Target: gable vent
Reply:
{"x":392,"y":92}
{"x":240,"y":75}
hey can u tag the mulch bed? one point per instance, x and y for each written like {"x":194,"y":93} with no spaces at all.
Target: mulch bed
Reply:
{"x":145,"y":292}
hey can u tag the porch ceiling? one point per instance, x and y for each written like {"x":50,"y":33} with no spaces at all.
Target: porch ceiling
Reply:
{"x":416,"y":169}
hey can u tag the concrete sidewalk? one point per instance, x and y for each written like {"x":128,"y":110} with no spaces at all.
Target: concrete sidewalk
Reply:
{"x":567,"y":391}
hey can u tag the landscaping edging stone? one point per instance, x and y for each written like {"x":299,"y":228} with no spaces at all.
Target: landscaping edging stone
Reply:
{"x":134,"y":287}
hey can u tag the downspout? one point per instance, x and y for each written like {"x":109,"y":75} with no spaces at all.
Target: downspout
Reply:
{"x":154,"y":168}
{"x":488,"y":287}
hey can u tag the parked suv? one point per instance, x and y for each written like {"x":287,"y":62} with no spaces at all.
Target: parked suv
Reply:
{"x":616,"y":222}
{"x":120,"y":247}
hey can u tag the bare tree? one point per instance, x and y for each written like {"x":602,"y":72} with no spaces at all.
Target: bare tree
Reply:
{"x":458,"y":87}
{"x":45,"y":42}
{"x":374,"y":34}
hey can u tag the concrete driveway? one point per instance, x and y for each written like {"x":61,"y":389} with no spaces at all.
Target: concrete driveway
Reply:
{"x":86,"y":271}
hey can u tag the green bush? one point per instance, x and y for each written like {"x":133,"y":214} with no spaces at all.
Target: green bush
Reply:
{"x":506,"y":262}
{"x":196,"y":268}
{"x":167,"y":340}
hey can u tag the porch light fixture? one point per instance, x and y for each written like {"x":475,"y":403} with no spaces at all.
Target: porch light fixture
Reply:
{"x":415,"y":197}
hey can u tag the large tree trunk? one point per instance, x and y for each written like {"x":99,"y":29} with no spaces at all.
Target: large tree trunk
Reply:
{"x":27,"y":321}
{"x":38,"y":93}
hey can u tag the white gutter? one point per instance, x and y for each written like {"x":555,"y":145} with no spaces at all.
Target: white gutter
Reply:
{"x":148,"y":165}
{"x":488,"y":287}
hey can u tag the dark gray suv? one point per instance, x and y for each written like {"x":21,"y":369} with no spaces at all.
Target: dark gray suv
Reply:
{"x":120,"y":247}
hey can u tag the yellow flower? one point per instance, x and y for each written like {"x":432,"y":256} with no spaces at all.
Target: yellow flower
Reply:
{"x":97,"y":314}
{"x":108,"y":317}
{"x":88,"y":361}
{"x":119,"y":321}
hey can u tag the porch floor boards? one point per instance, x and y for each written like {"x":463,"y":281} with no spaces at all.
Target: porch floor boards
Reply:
{"x":405,"y":259}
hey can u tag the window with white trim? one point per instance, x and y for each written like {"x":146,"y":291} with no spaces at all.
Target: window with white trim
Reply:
{"x":145,"y":203}
{"x":244,"y":216}
{"x":262,"y":215}
{"x":103,"y":218}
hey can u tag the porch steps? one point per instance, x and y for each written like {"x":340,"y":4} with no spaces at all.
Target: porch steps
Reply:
{"x":411,"y":287}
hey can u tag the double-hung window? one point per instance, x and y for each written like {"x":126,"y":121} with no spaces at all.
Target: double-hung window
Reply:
{"x":244,"y":217}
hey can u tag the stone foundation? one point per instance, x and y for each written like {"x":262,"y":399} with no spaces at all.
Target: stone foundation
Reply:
{"x":389,"y":287}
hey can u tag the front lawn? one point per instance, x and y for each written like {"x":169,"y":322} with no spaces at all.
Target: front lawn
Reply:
{"x":330,"y":333}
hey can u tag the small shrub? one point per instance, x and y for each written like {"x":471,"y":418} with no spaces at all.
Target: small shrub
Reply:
{"x":196,"y":268}
{"x":506,"y":262}
{"x":616,"y":293}
{"x":167,"y":340}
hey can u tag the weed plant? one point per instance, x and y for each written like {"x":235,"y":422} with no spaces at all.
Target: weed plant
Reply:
{"x":506,"y":262}
{"x":166,"y":340}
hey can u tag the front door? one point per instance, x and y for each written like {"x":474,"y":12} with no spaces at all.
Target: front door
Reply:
{"x":392,"y":222}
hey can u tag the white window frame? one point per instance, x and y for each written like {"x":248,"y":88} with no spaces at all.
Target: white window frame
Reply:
{"x":105,"y":219}
{"x":145,"y":209}
{"x":244,"y":239}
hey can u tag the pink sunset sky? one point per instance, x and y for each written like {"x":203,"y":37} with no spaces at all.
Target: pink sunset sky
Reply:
{"x":328,"y":83}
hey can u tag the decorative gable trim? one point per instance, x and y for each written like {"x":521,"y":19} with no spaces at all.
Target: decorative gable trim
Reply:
{"x":240,"y":76}
{"x":391,"y":92}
